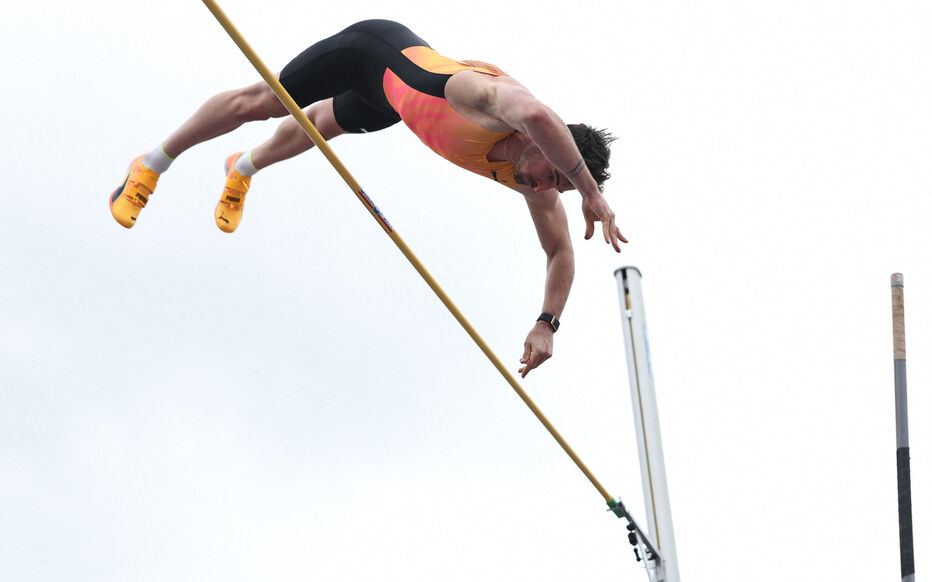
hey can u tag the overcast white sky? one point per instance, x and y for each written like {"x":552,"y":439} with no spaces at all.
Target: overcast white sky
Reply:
{"x":292,"y":403}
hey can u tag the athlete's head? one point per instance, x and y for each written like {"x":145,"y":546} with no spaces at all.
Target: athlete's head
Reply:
{"x":593,"y":145}
{"x":534,"y":170}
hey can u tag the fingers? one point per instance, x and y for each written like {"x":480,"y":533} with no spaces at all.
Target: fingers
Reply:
{"x":523,"y":370}
{"x":609,"y":230}
{"x":597,"y":210}
{"x":535,"y":359}
{"x":527,"y":360}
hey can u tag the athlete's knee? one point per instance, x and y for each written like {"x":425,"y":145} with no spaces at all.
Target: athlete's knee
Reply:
{"x":321,"y":115}
{"x":257,"y":103}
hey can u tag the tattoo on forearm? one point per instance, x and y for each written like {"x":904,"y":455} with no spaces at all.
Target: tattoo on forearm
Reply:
{"x":576,"y":169}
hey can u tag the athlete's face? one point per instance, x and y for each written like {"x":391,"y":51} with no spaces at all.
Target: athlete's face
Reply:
{"x":532,"y":169}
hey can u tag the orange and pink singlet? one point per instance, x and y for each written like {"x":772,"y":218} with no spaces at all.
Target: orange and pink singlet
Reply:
{"x":442,"y":129}
{"x":378,"y":73}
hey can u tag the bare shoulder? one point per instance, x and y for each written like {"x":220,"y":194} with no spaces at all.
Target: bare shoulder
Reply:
{"x":476,"y":89}
{"x":476,"y":78}
{"x":475,"y":96}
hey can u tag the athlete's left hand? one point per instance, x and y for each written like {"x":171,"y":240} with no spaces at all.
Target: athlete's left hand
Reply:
{"x":538,"y":347}
{"x":596,"y":209}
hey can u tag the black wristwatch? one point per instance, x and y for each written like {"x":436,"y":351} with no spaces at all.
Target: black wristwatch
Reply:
{"x":551,"y":319}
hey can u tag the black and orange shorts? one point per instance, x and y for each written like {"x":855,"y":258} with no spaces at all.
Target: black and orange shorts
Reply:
{"x":350,"y":65}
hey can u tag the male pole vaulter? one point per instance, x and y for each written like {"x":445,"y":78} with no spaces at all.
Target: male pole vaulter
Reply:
{"x":376,"y":73}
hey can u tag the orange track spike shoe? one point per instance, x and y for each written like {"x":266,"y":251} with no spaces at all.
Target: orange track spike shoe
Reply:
{"x":229,"y":210}
{"x":131,"y":197}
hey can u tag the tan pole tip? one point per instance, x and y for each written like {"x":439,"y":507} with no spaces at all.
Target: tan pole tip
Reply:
{"x":896,"y":280}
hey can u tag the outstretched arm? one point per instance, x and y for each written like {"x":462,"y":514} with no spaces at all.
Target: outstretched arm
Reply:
{"x":504,"y":103}
{"x":545,"y":128}
{"x":550,"y":221}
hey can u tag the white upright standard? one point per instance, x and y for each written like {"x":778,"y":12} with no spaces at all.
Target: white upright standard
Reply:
{"x":647,"y":424}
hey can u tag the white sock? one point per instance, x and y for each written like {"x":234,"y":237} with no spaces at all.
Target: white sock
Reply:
{"x":244,"y":165}
{"x":157,"y":160}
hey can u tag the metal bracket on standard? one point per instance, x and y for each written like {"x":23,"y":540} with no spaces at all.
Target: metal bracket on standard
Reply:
{"x":637,"y":537}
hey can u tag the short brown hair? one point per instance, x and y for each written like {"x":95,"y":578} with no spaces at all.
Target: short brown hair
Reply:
{"x":593,"y":145}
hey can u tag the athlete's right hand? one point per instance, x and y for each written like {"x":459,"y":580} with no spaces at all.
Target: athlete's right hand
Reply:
{"x":538,"y":347}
